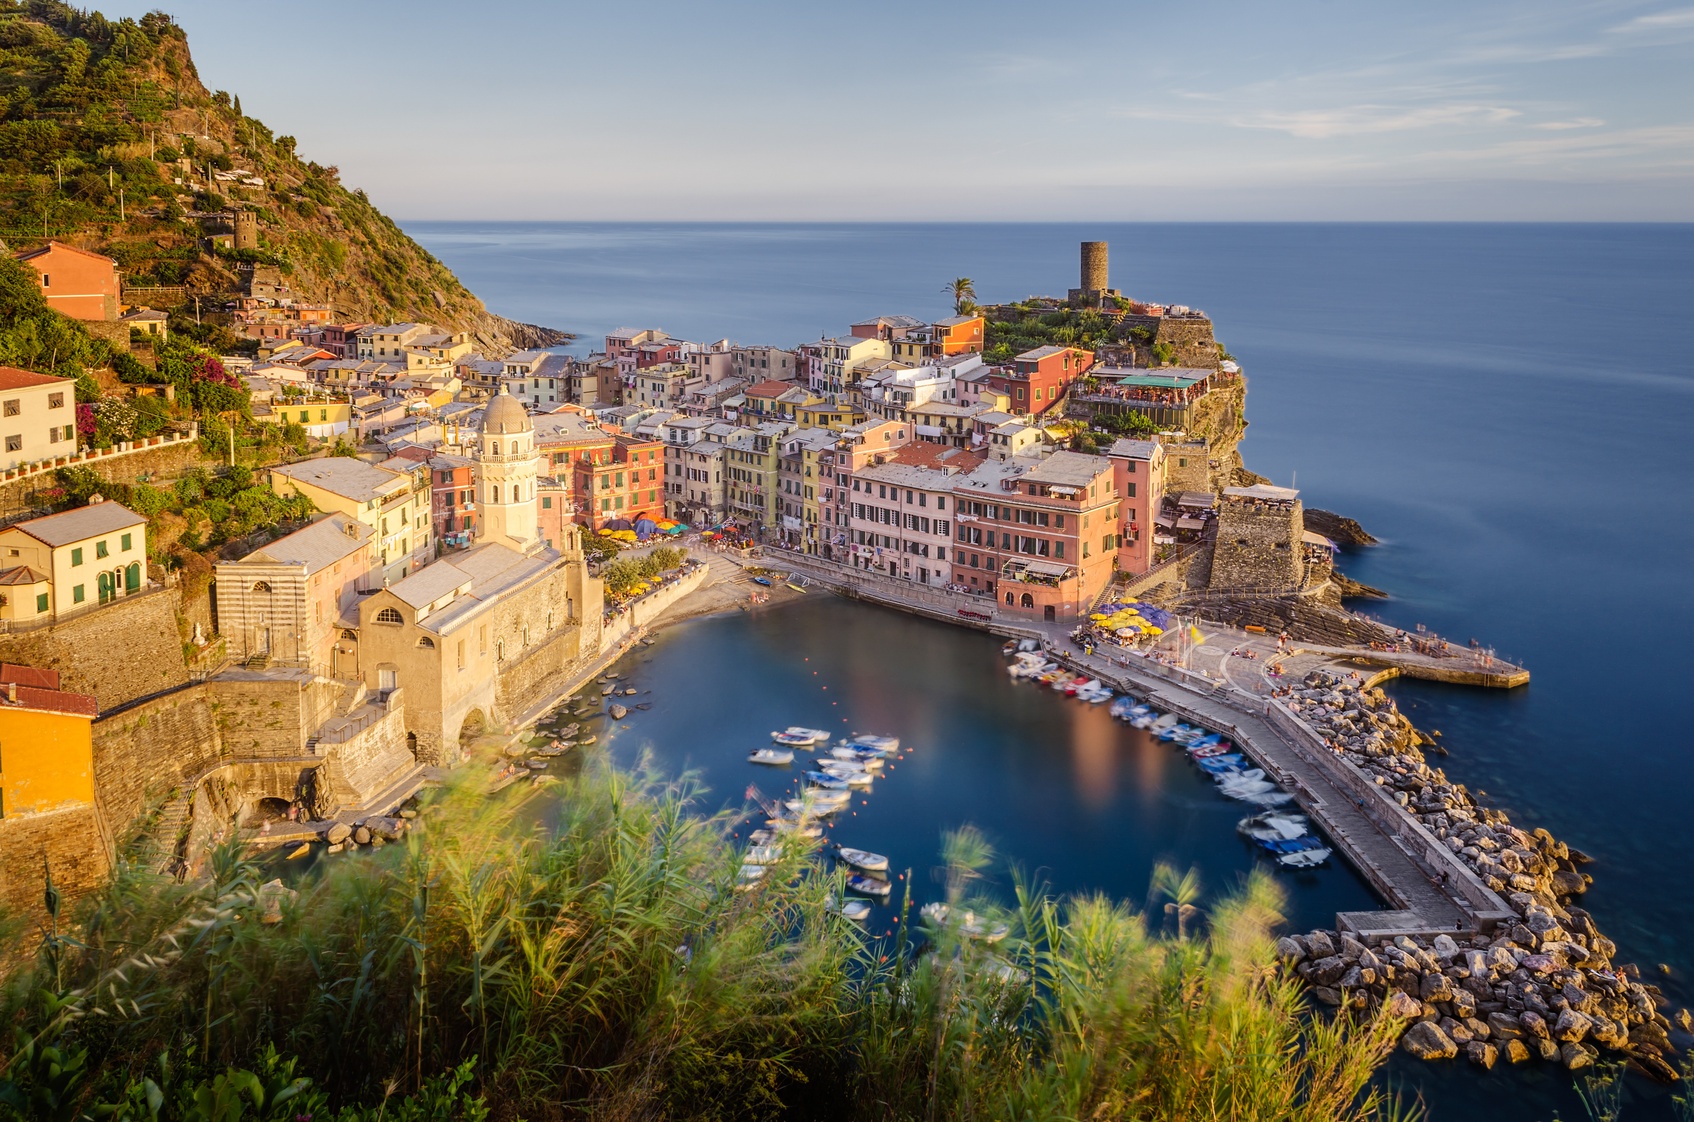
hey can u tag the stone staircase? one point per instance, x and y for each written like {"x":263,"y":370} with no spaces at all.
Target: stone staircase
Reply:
{"x":169,"y":829}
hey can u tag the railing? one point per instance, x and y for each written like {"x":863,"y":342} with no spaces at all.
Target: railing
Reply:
{"x":19,"y":627}
{"x":92,"y":455}
{"x":893,"y":590}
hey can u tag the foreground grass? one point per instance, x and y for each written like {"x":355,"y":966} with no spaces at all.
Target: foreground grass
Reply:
{"x":604,"y":967}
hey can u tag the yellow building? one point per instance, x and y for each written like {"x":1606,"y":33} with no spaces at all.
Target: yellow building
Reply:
{"x":395,"y":504}
{"x":57,"y":565}
{"x":46,"y":744}
{"x":322,"y":417}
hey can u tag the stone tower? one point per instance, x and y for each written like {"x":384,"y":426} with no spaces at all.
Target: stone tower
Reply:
{"x":246,"y":230}
{"x":505,"y":488}
{"x":1096,"y":290}
{"x":1095,"y":271}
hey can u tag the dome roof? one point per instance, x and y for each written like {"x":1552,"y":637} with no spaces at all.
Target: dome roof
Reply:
{"x":503,"y":414}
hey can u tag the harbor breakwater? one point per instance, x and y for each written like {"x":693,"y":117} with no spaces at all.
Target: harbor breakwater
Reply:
{"x":1484,"y":952}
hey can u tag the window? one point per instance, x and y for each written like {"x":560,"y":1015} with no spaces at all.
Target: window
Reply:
{"x":461,"y":654}
{"x":1132,"y":487}
{"x":55,"y":401}
{"x":262,"y":587}
{"x":547,"y":502}
{"x":46,"y":280}
{"x":53,"y":435}
{"x":12,"y":407}
{"x":14,"y":444}
{"x":41,"y":601}
{"x":76,"y":556}
{"x":100,"y":549}
{"x":77,"y":595}
{"x":124,"y":542}
{"x":426,"y":643}
{"x":390,"y":615}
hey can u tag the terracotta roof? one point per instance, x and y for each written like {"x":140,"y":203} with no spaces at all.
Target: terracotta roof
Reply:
{"x":38,"y":251}
{"x":924,"y":453}
{"x":80,"y":524}
{"x":29,"y":676}
{"x":20,"y":575}
{"x":53,"y":701}
{"x":11,"y":378}
{"x":768,"y":389}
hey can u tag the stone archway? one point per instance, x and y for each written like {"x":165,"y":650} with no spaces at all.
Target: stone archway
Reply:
{"x":475,"y":724}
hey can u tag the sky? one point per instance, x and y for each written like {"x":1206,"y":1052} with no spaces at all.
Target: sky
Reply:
{"x":941,"y":110}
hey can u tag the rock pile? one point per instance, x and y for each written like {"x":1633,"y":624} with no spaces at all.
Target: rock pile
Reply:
{"x":1542,"y":986}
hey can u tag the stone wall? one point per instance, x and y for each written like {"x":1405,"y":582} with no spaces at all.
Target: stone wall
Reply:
{"x":272,"y":712}
{"x":1257,"y":547}
{"x":125,"y":650}
{"x":69,"y":842}
{"x":27,"y":492}
{"x":1188,"y":467}
{"x":367,"y":762}
{"x":144,"y":752}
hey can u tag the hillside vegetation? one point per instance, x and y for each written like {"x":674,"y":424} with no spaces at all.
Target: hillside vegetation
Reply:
{"x":109,"y":141}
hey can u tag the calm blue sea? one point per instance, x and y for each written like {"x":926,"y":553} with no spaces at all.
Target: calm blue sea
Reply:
{"x":1506,"y":406}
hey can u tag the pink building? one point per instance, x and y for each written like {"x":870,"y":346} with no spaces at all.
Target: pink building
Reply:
{"x":1138,"y":470}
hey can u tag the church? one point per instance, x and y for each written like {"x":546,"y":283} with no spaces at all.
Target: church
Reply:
{"x":473,"y":641}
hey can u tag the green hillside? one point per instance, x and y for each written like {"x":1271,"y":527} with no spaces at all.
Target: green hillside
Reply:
{"x":109,"y":141}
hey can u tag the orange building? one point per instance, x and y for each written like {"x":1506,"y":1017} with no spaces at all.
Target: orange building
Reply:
{"x":77,"y":283}
{"x":957,"y":335}
{"x":1038,"y":379}
{"x":602,"y":473}
{"x":46,"y":744}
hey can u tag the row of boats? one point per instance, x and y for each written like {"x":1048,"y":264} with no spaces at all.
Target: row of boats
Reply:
{"x":1286,"y":837}
{"x":837,"y":771}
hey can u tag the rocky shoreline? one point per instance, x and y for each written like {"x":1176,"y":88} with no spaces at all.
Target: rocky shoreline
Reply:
{"x":1544,"y":986}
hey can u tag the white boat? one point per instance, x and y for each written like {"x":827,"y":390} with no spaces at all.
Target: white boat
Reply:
{"x":884,"y":744}
{"x":855,"y":910}
{"x":763,"y":855}
{"x":1305,"y":859}
{"x":1271,"y":798}
{"x":799,"y":737}
{"x":1246,"y":790}
{"x":1273,"y":826}
{"x":749,"y":876}
{"x":862,"y":859}
{"x":1029,"y":645}
{"x":936,"y":913}
{"x":818,"y":801}
{"x":1237,"y":778}
{"x":775,"y":756}
{"x":855,"y":777}
{"x":761,"y":837}
{"x":793,"y":826}
{"x":865,"y":757}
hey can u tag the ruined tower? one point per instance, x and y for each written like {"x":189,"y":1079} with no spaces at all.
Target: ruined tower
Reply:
{"x":246,"y":230}
{"x":1096,"y":287}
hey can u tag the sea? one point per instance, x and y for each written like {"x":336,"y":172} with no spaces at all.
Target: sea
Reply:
{"x":1507,"y":407}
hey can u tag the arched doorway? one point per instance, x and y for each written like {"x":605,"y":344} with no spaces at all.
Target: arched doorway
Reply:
{"x":476,"y":723}
{"x":1028,"y":601}
{"x":132,"y":578}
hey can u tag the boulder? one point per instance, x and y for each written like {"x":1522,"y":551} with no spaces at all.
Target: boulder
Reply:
{"x":1437,"y":987}
{"x":1326,"y":994}
{"x":1426,"y":1041}
{"x":1575,"y":1057}
{"x":1456,"y":1031}
{"x":1478,"y":1028}
{"x":1571,"y":1026}
{"x":1319,"y":945}
{"x":1534,"y":1024}
{"x":1549,"y":1050}
{"x":1516,"y":1052}
{"x":1483,"y":1053}
{"x":338,"y":833}
{"x":1404,"y":1005}
{"x":1445,"y":948}
{"x":1684,"y":1020}
{"x":1655,"y":1066}
{"x":1477,"y":963}
{"x":1568,"y":882}
{"x":1328,"y":971}
{"x":1463,"y":1003}
{"x":1504,"y":1026}
{"x":1287,"y":950}
{"x":1351,"y":948}
{"x":362,"y":835}
{"x":388,"y":829}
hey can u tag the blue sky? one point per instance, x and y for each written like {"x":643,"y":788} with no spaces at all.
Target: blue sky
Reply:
{"x":741,"y":109}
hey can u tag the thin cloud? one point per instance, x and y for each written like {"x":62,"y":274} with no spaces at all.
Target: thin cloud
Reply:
{"x":1578,"y":123}
{"x":1670,"y":20}
{"x":1362,"y":120}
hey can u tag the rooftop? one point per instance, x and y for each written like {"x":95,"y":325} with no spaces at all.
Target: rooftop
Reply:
{"x":1069,"y":469}
{"x":11,"y":378}
{"x":1133,"y":449}
{"x":344,"y":476}
{"x":1042,"y":352}
{"x":1163,"y":380}
{"x":1262,"y":492}
{"x":318,"y":546}
{"x":80,"y":524}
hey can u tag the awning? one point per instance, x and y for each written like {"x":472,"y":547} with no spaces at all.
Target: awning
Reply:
{"x":1047,"y":569}
{"x":1197,"y":500}
{"x":1188,"y":522}
{"x":1164,"y":521}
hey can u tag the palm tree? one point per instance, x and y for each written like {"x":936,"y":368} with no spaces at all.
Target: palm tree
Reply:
{"x":964,"y":294}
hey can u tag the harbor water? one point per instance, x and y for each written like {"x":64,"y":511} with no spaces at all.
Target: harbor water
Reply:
{"x":1505,"y":406}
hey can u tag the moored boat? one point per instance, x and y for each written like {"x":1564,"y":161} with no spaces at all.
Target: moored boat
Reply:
{"x":862,"y":859}
{"x":1305,"y":859}
{"x":773,"y":756}
{"x":868,"y":886}
{"x":855,"y":910}
{"x":883,"y":744}
{"x":825,"y":780}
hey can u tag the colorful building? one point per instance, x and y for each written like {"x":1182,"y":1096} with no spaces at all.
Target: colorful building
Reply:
{"x":76,"y":283}
{"x":394,"y":501}
{"x":37,"y":417}
{"x":1038,"y":379}
{"x":1138,"y":471}
{"x":59,"y":564}
{"x":46,"y":744}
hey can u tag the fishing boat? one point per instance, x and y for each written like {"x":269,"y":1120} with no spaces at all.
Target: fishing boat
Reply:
{"x":1210,"y":740}
{"x":1188,"y":736}
{"x":1171,"y":732}
{"x":1305,"y":859}
{"x":862,"y":859}
{"x":1217,"y":765}
{"x":1121,"y":707}
{"x":883,"y":744}
{"x":868,"y":886}
{"x":796,"y":582}
{"x":1145,"y":719}
{"x":819,"y":802}
{"x":856,"y":910}
{"x":1010,"y":647}
{"x":1222,"y":748}
{"x":801,"y":736}
{"x":1248,"y":792}
{"x":775,"y":756}
{"x":761,"y":837}
{"x":1288,"y":845}
{"x":1271,"y":824}
{"x":825,"y":780}
{"x":1162,"y":723}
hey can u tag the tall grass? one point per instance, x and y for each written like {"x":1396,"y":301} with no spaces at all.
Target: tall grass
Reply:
{"x":601,"y":964}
